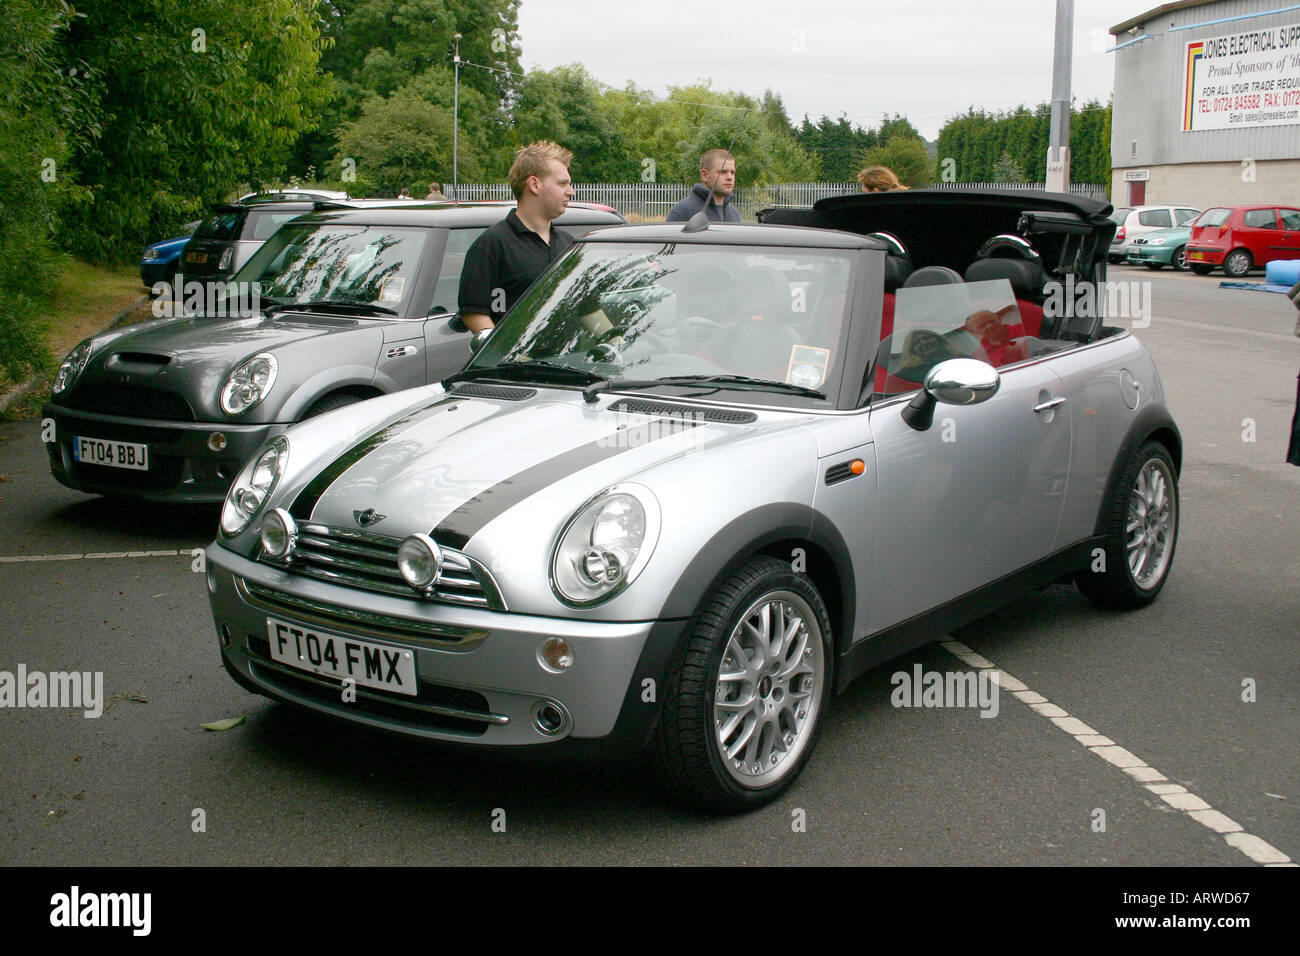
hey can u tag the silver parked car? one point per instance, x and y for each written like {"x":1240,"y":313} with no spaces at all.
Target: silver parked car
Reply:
{"x":702,"y":477}
{"x":353,"y":301}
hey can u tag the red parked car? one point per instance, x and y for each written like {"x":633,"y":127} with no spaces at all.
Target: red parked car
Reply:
{"x":1240,"y":238}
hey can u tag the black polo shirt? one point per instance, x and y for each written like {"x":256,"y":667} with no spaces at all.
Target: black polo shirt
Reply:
{"x":508,"y":257}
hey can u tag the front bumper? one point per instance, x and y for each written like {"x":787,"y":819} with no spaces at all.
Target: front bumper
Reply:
{"x":479,"y":678}
{"x":182,"y":468}
{"x":1140,"y":255}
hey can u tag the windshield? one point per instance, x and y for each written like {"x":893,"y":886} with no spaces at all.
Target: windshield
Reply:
{"x":1213,"y":217}
{"x":1118,"y":216}
{"x":352,"y":264}
{"x":221,"y":226}
{"x":647,"y":312}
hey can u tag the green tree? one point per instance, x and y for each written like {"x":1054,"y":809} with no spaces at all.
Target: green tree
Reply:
{"x":907,"y":157}
{"x":195,"y":104}
{"x":978,"y":140}
{"x":1007,"y":170}
{"x":565,"y":105}
{"x":40,"y":105}
{"x":403,"y":140}
{"x":378,"y":47}
{"x":896,"y":126}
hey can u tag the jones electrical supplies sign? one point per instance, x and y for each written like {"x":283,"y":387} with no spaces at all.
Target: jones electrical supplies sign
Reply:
{"x":1243,"y":80}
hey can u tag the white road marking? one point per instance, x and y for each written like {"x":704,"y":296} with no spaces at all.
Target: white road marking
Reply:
{"x":1174,"y":794}
{"x":99,"y":555}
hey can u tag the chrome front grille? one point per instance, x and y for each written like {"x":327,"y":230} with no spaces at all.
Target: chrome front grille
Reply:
{"x":361,"y":559}
{"x":355,"y":621}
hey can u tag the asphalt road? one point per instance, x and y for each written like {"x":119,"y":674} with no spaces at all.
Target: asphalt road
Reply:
{"x":887,"y":785}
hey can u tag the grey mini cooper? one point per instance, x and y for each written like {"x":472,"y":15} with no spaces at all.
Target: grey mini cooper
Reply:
{"x":354,"y":300}
{"x":703,"y":476}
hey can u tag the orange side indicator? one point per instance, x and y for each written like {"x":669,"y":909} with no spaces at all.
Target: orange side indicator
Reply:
{"x":857,"y":466}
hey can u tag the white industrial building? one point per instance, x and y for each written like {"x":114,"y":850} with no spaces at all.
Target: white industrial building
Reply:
{"x":1207,"y":104}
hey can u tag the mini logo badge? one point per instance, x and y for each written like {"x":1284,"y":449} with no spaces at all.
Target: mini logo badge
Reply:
{"x":368,"y":517}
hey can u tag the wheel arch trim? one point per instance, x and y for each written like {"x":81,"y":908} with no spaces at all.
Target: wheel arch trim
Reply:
{"x":1151,"y":422}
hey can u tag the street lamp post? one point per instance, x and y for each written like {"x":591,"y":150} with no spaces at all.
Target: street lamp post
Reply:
{"x":1058,"y":149}
{"x":455,"y":123}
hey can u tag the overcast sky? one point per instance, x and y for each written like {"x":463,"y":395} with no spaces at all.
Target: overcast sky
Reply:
{"x":927,"y":59}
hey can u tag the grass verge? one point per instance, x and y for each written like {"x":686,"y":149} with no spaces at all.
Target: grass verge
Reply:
{"x":84,"y":300}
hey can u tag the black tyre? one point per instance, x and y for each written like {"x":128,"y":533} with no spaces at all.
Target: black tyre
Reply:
{"x":1179,"y":259}
{"x":1201,"y":270}
{"x":1155,"y":266}
{"x":742,"y":707}
{"x":327,"y":403}
{"x":1140,"y":527}
{"x":1114,"y":260}
{"x":1237,"y":263}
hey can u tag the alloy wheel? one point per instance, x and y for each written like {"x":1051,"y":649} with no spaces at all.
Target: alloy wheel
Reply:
{"x":769,"y":689}
{"x":1152,"y":518}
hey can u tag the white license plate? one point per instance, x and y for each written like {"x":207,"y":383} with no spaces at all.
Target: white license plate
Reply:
{"x":381,"y":666}
{"x":115,"y":454}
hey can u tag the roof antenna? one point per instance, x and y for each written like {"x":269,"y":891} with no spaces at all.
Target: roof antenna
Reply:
{"x":700,"y":221}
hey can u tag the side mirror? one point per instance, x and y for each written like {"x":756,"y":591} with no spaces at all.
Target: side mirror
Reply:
{"x":479,"y":340}
{"x":959,"y":381}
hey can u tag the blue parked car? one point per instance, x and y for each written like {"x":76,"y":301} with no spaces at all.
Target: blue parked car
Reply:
{"x":158,"y":262}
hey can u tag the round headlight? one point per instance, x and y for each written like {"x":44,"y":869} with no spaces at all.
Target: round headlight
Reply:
{"x":72,"y":366}
{"x":253,"y":486}
{"x":279,"y":534}
{"x":604,"y":545}
{"x":419,"y":559}
{"x":249,"y":383}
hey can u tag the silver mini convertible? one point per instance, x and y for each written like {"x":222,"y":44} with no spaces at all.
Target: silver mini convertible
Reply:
{"x":703,"y":476}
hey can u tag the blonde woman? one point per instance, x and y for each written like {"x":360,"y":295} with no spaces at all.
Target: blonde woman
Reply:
{"x":879,"y":179}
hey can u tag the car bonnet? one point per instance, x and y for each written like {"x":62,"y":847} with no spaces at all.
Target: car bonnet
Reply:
{"x":459,"y":463}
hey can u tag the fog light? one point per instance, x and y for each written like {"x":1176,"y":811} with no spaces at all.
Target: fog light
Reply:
{"x":555,"y":655}
{"x":420,"y":560}
{"x":279,"y":535}
{"x":217,"y":441}
{"x":551,"y":718}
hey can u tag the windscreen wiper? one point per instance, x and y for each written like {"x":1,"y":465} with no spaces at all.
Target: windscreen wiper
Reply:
{"x":720,"y":381}
{"x":533,"y":368}
{"x":325,"y":305}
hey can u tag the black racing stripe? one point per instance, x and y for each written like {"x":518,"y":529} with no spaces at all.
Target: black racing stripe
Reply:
{"x":305,"y":503}
{"x":457,"y":528}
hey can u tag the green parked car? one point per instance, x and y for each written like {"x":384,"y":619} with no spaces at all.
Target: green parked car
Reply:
{"x":1163,"y":247}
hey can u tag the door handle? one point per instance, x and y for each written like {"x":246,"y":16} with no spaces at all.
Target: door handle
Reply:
{"x":1048,"y":405}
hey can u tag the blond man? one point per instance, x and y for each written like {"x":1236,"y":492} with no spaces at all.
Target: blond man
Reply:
{"x":504,"y":261}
